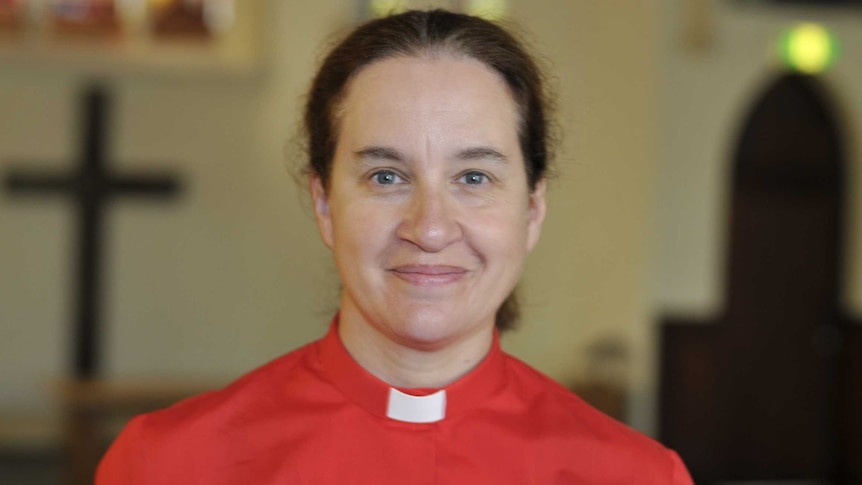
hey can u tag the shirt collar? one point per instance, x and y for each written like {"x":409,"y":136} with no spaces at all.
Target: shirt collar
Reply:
{"x":400,"y":404}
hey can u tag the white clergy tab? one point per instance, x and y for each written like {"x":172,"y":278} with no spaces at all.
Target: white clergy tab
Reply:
{"x":416,"y":409}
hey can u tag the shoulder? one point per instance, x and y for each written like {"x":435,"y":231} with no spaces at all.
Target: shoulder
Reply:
{"x":259,"y":388}
{"x":586,"y":431}
{"x":193,"y":428}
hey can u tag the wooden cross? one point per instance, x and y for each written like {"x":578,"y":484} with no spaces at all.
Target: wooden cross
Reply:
{"x":91,"y":186}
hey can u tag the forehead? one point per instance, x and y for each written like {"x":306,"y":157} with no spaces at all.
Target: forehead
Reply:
{"x":444,"y":98}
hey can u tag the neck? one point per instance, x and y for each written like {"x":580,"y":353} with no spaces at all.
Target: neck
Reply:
{"x":407,"y":364}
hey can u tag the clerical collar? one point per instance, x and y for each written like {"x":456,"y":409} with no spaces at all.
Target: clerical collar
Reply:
{"x":424,"y":405}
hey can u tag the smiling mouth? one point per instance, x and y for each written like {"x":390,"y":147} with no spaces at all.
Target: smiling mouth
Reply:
{"x":421,"y":275}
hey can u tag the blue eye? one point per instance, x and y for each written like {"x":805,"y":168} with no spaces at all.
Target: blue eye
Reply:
{"x":474,"y":178}
{"x":386,"y":177}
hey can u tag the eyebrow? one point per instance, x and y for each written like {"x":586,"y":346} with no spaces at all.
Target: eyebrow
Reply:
{"x":381,"y":153}
{"x":481,"y":153}
{"x":391,"y":154}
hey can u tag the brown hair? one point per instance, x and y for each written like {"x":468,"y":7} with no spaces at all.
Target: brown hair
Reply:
{"x":431,"y":33}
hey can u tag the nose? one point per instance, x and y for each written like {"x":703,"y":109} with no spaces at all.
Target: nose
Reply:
{"x":430,"y":220}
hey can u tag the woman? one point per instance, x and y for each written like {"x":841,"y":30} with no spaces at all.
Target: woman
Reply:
{"x":427,"y":138}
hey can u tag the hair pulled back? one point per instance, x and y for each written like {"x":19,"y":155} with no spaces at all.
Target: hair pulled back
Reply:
{"x":432,"y":33}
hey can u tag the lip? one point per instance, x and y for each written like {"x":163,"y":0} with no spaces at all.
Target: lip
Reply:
{"x":429,"y":275}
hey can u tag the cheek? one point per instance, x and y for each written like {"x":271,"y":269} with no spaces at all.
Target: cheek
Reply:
{"x":500,"y":232}
{"x":361,"y":231}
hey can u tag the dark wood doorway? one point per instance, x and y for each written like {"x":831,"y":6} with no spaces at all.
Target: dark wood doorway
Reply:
{"x":772,"y":389}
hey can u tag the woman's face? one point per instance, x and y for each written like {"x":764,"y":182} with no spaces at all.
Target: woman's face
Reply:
{"x":428,"y":213}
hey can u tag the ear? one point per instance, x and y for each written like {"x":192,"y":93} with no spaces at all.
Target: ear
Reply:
{"x":536,"y":216}
{"x":321,"y":210}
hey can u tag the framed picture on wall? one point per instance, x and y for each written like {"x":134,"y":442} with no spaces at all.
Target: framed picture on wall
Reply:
{"x":218,"y":37}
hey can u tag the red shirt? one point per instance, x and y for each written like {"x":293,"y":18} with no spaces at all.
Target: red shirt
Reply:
{"x":314,"y":416}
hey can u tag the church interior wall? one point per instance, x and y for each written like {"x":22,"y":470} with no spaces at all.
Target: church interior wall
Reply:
{"x":232,"y":273}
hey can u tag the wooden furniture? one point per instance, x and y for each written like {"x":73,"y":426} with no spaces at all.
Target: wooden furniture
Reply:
{"x":770,"y":389}
{"x":607,"y":398}
{"x":94,"y":410}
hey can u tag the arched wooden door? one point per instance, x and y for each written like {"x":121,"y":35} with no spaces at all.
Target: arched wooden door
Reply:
{"x":762,"y":393}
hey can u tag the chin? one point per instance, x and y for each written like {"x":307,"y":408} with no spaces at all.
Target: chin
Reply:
{"x":432,"y":327}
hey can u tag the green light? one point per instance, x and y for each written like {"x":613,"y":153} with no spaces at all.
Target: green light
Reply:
{"x":809,"y":48}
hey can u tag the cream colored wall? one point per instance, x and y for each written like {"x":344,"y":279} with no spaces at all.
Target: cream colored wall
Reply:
{"x":587,"y":278}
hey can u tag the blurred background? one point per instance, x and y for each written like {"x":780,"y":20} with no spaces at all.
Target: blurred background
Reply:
{"x":699,"y":275}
